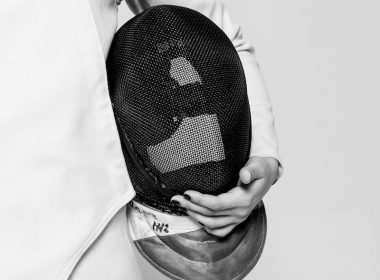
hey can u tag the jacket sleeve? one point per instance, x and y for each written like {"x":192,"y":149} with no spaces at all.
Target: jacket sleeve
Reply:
{"x":264,"y":139}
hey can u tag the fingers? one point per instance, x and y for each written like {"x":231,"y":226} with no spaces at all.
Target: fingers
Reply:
{"x":258,"y":189}
{"x":254,"y":169}
{"x":222,"y":231}
{"x":225,"y":201}
{"x":189,"y":205}
{"x":214,"y":221}
{"x":240,"y":211}
{"x":237,"y":202}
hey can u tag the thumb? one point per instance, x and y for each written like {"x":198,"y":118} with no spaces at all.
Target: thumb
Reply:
{"x":250,"y":171}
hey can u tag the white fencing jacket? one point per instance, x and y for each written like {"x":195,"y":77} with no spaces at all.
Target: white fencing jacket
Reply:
{"x":62,"y":172}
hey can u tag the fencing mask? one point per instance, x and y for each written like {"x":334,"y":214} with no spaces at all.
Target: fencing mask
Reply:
{"x":180,"y":101}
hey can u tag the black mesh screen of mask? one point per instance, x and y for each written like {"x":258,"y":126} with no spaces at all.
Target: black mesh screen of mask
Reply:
{"x":179,"y":96}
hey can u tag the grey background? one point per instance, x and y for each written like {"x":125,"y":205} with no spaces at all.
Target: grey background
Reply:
{"x":320,"y":60}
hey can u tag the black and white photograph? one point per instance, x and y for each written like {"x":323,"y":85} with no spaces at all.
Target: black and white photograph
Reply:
{"x":189,"y":140}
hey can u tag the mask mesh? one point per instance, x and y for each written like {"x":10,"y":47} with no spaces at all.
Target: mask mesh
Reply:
{"x":179,"y":93}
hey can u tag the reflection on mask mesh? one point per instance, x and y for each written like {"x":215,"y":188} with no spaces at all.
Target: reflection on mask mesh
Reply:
{"x":197,"y":140}
{"x":183,"y":72}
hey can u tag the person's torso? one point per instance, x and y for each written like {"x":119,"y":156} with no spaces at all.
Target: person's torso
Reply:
{"x":105,"y":16}
{"x":62,"y":173}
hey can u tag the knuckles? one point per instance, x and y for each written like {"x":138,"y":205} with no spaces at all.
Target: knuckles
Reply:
{"x":216,"y":206}
{"x":241,"y":215}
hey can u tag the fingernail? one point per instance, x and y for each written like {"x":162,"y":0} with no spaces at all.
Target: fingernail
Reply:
{"x":186,"y":196}
{"x":174,"y":202}
{"x":245,"y":176}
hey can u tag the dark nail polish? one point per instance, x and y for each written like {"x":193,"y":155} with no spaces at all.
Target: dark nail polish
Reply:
{"x":186,"y":196}
{"x":174,"y":202}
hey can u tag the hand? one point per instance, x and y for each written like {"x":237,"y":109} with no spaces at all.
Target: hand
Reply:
{"x":220,"y":214}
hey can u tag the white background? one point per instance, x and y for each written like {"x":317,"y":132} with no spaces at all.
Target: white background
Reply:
{"x":320,"y":60}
